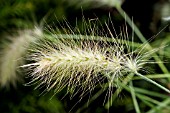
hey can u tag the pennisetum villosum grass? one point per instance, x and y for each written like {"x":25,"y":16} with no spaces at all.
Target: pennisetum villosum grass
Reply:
{"x":82,"y":62}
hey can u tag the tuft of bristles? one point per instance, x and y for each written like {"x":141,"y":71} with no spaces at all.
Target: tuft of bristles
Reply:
{"x":80,"y":64}
{"x":67,"y":63}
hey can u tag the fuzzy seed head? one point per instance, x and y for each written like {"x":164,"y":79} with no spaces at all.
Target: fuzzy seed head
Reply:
{"x":74,"y":66}
{"x":81,"y":62}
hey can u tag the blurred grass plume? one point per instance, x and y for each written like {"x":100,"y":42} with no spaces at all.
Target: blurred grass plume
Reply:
{"x":12,"y":55}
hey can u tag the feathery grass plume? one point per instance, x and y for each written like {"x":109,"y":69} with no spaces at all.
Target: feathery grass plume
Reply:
{"x":73,"y":63}
{"x":80,"y":62}
{"x":12,"y":55}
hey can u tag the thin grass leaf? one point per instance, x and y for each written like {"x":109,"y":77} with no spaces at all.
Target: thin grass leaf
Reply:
{"x":154,"y":76}
{"x":151,"y":93}
{"x":132,"y":90}
{"x":160,"y":106}
{"x":153,"y":82}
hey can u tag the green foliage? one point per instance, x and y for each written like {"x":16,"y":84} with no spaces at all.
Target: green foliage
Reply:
{"x":26,"y":13}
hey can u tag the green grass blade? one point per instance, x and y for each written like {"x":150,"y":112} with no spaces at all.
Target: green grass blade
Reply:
{"x":132,"y":90}
{"x":154,"y":76}
{"x":163,"y":104}
{"x":151,"y":93}
{"x":153,"y":82}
